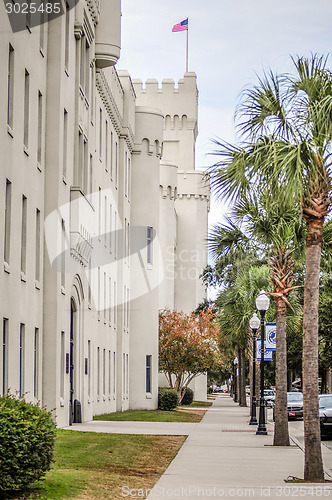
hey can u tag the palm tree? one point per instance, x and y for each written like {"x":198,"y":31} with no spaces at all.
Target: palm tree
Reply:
{"x":286,"y":122}
{"x":272,"y":230}
{"x":235,"y":306}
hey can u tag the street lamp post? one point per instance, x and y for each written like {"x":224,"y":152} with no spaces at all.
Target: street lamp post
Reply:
{"x":235,"y":394}
{"x":262,"y":305}
{"x":254,"y":324}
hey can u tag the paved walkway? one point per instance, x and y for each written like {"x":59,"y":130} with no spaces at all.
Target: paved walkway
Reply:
{"x":223,"y":458}
{"x":128,"y":427}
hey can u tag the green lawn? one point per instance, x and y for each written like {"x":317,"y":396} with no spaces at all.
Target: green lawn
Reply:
{"x":151,"y":416}
{"x":92,"y":465}
{"x":198,"y":404}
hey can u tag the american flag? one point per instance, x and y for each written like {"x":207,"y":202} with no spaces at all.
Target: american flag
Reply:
{"x":182,"y":26}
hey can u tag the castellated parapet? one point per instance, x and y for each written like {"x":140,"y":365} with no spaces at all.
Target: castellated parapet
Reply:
{"x":179,"y":107}
{"x":168,"y":180}
{"x":149,"y":131}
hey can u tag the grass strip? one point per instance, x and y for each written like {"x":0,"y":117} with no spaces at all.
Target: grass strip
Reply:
{"x":91,"y":465}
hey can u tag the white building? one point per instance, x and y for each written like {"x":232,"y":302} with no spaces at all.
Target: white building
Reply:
{"x":104,"y":216}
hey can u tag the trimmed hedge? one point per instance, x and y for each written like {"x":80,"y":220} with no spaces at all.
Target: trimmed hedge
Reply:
{"x":188,"y":397}
{"x":27,"y":436}
{"x":168,"y":399}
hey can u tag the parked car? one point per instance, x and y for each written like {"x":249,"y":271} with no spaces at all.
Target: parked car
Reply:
{"x":325,"y":414}
{"x":295,"y":404}
{"x":269,"y":396}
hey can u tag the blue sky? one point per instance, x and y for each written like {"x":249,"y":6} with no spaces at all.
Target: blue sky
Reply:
{"x":229,"y":43}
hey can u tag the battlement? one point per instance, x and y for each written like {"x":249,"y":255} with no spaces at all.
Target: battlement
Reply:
{"x":172,"y":100}
{"x":188,"y":83}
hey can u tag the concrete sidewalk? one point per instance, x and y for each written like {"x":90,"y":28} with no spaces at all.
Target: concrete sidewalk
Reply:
{"x":223,"y":457}
{"x":129,"y":427}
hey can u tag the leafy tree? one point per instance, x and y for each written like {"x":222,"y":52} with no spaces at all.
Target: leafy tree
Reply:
{"x":188,"y":346}
{"x":286,"y":121}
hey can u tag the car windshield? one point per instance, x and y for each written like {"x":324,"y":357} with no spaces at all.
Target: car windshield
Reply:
{"x":268,"y":393}
{"x":297,"y":396}
{"x":325,"y":402}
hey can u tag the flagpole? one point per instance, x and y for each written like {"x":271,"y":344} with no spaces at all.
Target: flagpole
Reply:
{"x":187,"y":49}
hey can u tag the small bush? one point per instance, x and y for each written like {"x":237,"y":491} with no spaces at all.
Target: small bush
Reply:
{"x":27,"y":435}
{"x":168,"y":399}
{"x":210,"y":390}
{"x":188,"y":397}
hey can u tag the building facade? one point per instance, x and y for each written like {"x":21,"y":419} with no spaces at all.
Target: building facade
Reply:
{"x":104,"y":216}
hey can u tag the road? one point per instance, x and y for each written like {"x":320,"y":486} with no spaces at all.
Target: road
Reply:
{"x":296,"y":428}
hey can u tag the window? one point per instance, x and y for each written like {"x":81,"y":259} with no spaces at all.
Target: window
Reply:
{"x":127,"y":374}
{"x":22,"y":359}
{"x":104,"y":305}
{"x":84,"y":69}
{"x":125,"y":241}
{"x":100,"y":133}
{"x":115,"y":307}
{"x":116,"y":165}
{"x":26,"y":108}
{"x":42,"y":21}
{"x":126,"y":175}
{"x":40,"y":128}
{"x":149,"y":245}
{"x":109,"y":373}
{"x":85,"y":166}
{"x":98,"y":371}
{"x":67,"y":36}
{"x":104,"y":372}
{"x":8,"y":197}
{"x":24,"y":235}
{"x":89,"y":368}
{"x":98,"y":303}
{"x":65,"y":143}
{"x":99,"y":214}
{"x":37,"y":262}
{"x":148,"y":373}
{"x":36,"y":363}
{"x":110,"y":228}
{"x":115,"y":235}
{"x":63,"y":253}
{"x":10,"y":88}
{"x":80,"y":166}
{"x":129,"y":179}
{"x":110,"y":301}
{"x":4,"y":357}
{"x":123,"y":374}
{"x":91,"y":174}
{"x":105,"y":220}
{"x":111,"y":168}
{"x":62,"y":365}
{"x":90,"y":281}
{"x":106,"y":148}
{"x":114,"y":373}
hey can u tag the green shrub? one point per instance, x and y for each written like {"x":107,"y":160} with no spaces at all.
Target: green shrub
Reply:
{"x":168,"y":399}
{"x":188,"y":397}
{"x":27,"y":436}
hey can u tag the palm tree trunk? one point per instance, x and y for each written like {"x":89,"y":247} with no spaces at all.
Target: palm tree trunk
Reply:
{"x":243,"y":397}
{"x":281,"y":435}
{"x":313,"y":466}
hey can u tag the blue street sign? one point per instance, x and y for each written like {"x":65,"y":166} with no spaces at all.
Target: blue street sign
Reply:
{"x":270,"y":340}
{"x":267,"y":352}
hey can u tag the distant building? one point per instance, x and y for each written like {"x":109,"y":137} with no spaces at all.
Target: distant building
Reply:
{"x":104,"y":216}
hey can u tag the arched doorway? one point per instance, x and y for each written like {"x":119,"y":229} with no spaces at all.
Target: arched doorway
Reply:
{"x":73,"y":326}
